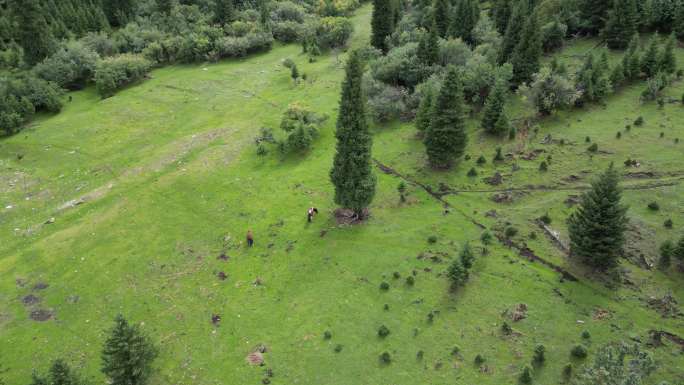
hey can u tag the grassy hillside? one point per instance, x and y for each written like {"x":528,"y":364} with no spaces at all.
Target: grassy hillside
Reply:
{"x":124,"y":205}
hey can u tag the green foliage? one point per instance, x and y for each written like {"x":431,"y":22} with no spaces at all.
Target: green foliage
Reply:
{"x":667,"y":250}
{"x":352,"y":174}
{"x":618,"y":364}
{"x":224,"y":11}
{"x":631,"y":61}
{"x":59,"y":374}
{"x":22,"y":96}
{"x":549,"y":92}
{"x":527,"y":54}
{"x":622,"y":24}
{"x":445,"y":138}
{"x":525,"y":376}
{"x":597,"y":227}
{"x":441,"y":16}
{"x":70,"y":67}
{"x":385,"y":358}
{"x":539,"y":355}
{"x":649,"y":62}
{"x":579,"y":351}
{"x":514,"y":29}
{"x":428,"y":47}
{"x":667,"y":60}
{"x":498,"y":156}
{"x":679,"y":250}
{"x":34,"y":34}
{"x":472,"y":172}
{"x":501,"y":14}
{"x":465,"y":16}
{"x":424,"y":113}
{"x":381,"y":24}
{"x":127,"y":354}
{"x":467,"y":257}
{"x":302,"y":127}
{"x":553,"y":35}
{"x":543,"y":166}
{"x":457,"y":273}
{"x":118,"y":71}
{"x":593,"y":79}
{"x":494,"y":120}
{"x":593,"y":14}
{"x":383,"y":331}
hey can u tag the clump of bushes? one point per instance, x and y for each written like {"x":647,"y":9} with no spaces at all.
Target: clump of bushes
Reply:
{"x":384,"y":286}
{"x":385,"y":358}
{"x":383,"y":331}
{"x":70,"y":67}
{"x":22,"y":96}
{"x":301,"y":126}
{"x":654,"y":206}
{"x":115,"y":72}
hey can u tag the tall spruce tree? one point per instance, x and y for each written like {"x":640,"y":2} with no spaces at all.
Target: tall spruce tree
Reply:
{"x":631,"y":61}
{"x":513,"y":30}
{"x":424,"y":113}
{"x":494,"y":109}
{"x":164,"y":6}
{"x":649,"y":62}
{"x":668,"y":60}
{"x":593,"y":79}
{"x":445,"y":139}
{"x":127,"y":354}
{"x":528,"y":52}
{"x":622,"y":24}
{"x":441,"y":16}
{"x":381,"y":24}
{"x":500,"y":13}
{"x":597,"y":227}
{"x":678,"y":20}
{"x":428,"y":47}
{"x":351,"y":173}
{"x":34,"y":34}
{"x":593,"y":14}
{"x":118,"y":12}
{"x":59,"y":374}
{"x":465,"y":16}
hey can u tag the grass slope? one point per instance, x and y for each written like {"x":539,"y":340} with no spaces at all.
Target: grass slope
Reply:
{"x":167,"y":180}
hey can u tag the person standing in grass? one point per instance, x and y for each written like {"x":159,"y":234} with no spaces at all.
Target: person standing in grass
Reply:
{"x":250,"y":238}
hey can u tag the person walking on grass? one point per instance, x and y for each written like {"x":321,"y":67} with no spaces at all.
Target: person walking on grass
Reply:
{"x":250,"y":238}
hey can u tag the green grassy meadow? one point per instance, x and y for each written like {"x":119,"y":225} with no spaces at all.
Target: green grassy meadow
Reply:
{"x":166,"y":179}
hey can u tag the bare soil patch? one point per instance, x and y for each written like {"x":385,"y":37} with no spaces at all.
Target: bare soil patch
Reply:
{"x":30,"y":300}
{"x":41,"y":315}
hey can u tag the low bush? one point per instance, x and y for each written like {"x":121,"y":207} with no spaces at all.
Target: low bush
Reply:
{"x":579,"y":351}
{"x":70,"y":67}
{"x":113,"y":73}
{"x":383,"y":331}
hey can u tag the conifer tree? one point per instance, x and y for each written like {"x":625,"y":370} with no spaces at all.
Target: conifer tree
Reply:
{"x":465,"y":17}
{"x":617,"y":76}
{"x":513,"y":30}
{"x":445,"y":139}
{"x":34,"y":34}
{"x":127,"y":354}
{"x":224,"y":11}
{"x":494,"y":109}
{"x":622,"y":24}
{"x":597,"y":227}
{"x":667,"y":60}
{"x":649,"y":63}
{"x":631,"y":62}
{"x":425,"y":110}
{"x":501,"y":13}
{"x":593,"y":79}
{"x":352,"y":174}
{"x":678,"y":20}
{"x":381,"y":24}
{"x":59,"y":374}
{"x":525,"y":58}
{"x":428,"y":47}
{"x":118,"y":11}
{"x":441,"y":17}
{"x":593,"y":13}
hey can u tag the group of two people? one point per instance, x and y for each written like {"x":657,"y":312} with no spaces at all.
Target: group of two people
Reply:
{"x":309,"y":217}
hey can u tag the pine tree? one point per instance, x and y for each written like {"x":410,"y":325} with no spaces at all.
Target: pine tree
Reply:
{"x":352,"y":174}
{"x":445,"y":138}
{"x":678,"y":20}
{"x":118,"y":11}
{"x":501,"y":13}
{"x":525,"y":58}
{"x":466,"y":16}
{"x":617,"y":76}
{"x":513,"y":31}
{"x":622,"y":24}
{"x":441,"y":16}
{"x":594,"y":81}
{"x":597,"y":227}
{"x":668,"y":61}
{"x":381,"y":24}
{"x":127,"y":354}
{"x":631,"y":62}
{"x":428,"y":47}
{"x":425,"y":111}
{"x":649,"y":63}
{"x":494,"y":109}
{"x":593,"y":13}
{"x":224,"y":11}
{"x":59,"y":374}
{"x":34,"y":34}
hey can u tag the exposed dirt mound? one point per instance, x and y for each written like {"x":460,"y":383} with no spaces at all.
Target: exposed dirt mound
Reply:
{"x":30,"y":300}
{"x":519,"y":312}
{"x":348,"y":217}
{"x":222,"y":276}
{"x":494,"y":180}
{"x":215,"y":319}
{"x":640,"y":175}
{"x":533,"y":154}
{"x":665,"y":306}
{"x":601,"y":314}
{"x":41,"y":315}
{"x":223,"y":257}
{"x":572,"y":200}
{"x":40,"y":286}
{"x":255,"y":358}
